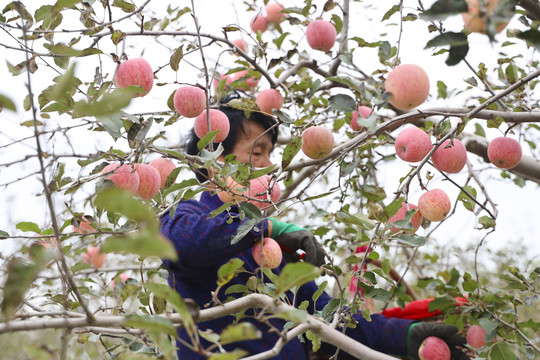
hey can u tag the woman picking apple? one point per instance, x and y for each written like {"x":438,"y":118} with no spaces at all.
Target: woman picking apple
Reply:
{"x":204,"y":244}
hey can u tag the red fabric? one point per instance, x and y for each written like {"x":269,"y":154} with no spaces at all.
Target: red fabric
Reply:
{"x":417,"y":310}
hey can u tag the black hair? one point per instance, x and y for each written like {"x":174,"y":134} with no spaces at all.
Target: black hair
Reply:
{"x":236,"y":120}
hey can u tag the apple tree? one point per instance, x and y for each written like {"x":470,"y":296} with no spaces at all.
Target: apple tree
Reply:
{"x":391,"y":126}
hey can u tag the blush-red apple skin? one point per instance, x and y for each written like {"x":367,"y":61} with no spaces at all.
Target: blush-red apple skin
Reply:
{"x":149,"y":181}
{"x":241,"y":44}
{"x":268,"y":100}
{"x":249,"y":82}
{"x":317,"y":142}
{"x":475,"y":19}
{"x":135,"y":72}
{"x":164,"y":167}
{"x":259,"y":23}
{"x":412,"y":144}
{"x":273,"y":12}
{"x":321,"y":35}
{"x":189,"y":101}
{"x":124,"y":176}
{"x":434,"y":348}
{"x":259,"y":187}
{"x":450,"y":156}
{"x":364,"y":112}
{"x":476,"y":336}
{"x":218,"y":121}
{"x":409,"y":86}
{"x":416,"y":220}
{"x":504,"y":152}
{"x":434,"y":205}
{"x":271,"y":253}
{"x":217,"y":79}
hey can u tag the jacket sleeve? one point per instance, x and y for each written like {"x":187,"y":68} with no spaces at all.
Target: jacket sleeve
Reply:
{"x":201,"y":241}
{"x":387,"y":335}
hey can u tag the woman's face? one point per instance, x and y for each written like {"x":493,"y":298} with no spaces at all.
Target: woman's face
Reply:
{"x":261,"y":150}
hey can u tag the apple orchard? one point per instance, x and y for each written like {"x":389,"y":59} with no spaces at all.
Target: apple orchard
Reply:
{"x":112,"y":87}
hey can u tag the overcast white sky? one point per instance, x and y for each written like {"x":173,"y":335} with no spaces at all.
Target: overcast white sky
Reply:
{"x":20,"y":201}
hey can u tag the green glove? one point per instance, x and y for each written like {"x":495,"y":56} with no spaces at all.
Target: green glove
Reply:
{"x":418,"y":332}
{"x":280,"y":227}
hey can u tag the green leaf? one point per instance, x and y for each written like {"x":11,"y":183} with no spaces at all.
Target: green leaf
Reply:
{"x":373,"y":193}
{"x":147,"y":322}
{"x":124,"y":5}
{"x":112,"y":123}
{"x":448,"y":38}
{"x":110,"y":103}
{"x":290,"y":151}
{"x":487,"y":222}
{"x":176,"y":57}
{"x":443,"y":8}
{"x":243,"y":230}
{"x":465,"y":199}
{"x":117,"y":36}
{"x":232,"y":355}
{"x":229,"y":270}
{"x":378,"y":294}
{"x":64,"y":84}
{"x":392,"y":208}
{"x":296,"y":315}
{"x":338,"y":23}
{"x":7,"y":103}
{"x":252,"y":211}
{"x":342,"y":102}
{"x":4,"y":234}
{"x":20,"y":275}
{"x":296,"y":274}
{"x":148,"y":242}
{"x":442,"y":303}
{"x":390,"y":12}
{"x":207,"y":139}
{"x":441,"y":90}
{"x":501,"y":351}
{"x":240,"y":332}
{"x":413,"y":240}
{"x":121,"y":201}
{"x":346,"y":81}
{"x":531,"y":36}
{"x":28,"y":226}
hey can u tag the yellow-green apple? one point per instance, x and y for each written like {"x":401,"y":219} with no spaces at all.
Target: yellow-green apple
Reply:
{"x":94,"y":256}
{"x":504,"y":152}
{"x":268,"y":100}
{"x":259,"y":23}
{"x":415,"y":221}
{"x":433,"y":348}
{"x":164,"y":167}
{"x":476,"y":336}
{"x":321,"y":35}
{"x":189,"y":101}
{"x":268,"y":251}
{"x":317,"y":142}
{"x":218,"y":121}
{"x":249,"y":82}
{"x":450,"y":156}
{"x":259,"y":189}
{"x":364,"y":112}
{"x":135,"y":72}
{"x":412,"y":144}
{"x":273,"y":12}
{"x":241,"y":44}
{"x":409,"y":86}
{"x":123,"y":176}
{"x":475,"y":19}
{"x":149,"y":181}
{"x":434,"y":205}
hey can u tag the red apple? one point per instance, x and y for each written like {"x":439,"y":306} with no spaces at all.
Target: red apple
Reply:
{"x":149,"y":181}
{"x":259,"y":23}
{"x":268,"y":100}
{"x":228,"y":80}
{"x":409,"y":86}
{"x":434,"y":348}
{"x":273,"y":12}
{"x":189,"y":101}
{"x":124,"y":176}
{"x":249,"y":82}
{"x":317,"y":142}
{"x":416,"y":220}
{"x":504,"y":152}
{"x":85,"y":226}
{"x":476,"y":336}
{"x":321,"y":35}
{"x":135,"y":72}
{"x":364,"y":113}
{"x":434,"y":205}
{"x":241,"y":44}
{"x":271,"y":253}
{"x":412,"y":144}
{"x":475,"y":19}
{"x":94,"y":256}
{"x":218,"y":121}
{"x":259,"y":188}
{"x":450,"y":157}
{"x":164,"y":167}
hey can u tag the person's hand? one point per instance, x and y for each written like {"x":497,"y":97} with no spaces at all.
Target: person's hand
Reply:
{"x":291,"y":238}
{"x":448,"y":333}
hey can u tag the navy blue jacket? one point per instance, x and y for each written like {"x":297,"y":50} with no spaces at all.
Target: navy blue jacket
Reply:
{"x":204,"y":244}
